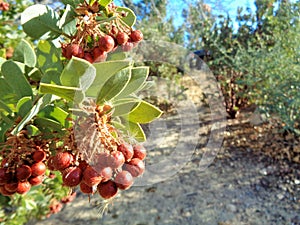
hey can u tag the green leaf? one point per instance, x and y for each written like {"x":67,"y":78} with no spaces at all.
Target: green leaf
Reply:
{"x":55,"y":113}
{"x":51,"y":77}
{"x":40,"y":21}
{"x":16,"y":79}
{"x":8,"y":95}
{"x":138,"y":77}
{"x":48,"y":56}
{"x":5,"y":107}
{"x":46,"y":123}
{"x":104,"y":71}
{"x":32,"y":130}
{"x":24,"y":105}
{"x":105,"y":3}
{"x":124,"y":106}
{"x":78,"y":73}
{"x":41,"y":103}
{"x":132,"y":129}
{"x":144,"y":113}
{"x":116,"y":56}
{"x":4,"y":127}
{"x":114,"y":85}
{"x":130,"y":18}
{"x":24,"y":53}
{"x":68,"y":16}
{"x":68,"y":93}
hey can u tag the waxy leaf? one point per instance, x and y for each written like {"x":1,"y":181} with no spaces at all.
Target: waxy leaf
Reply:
{"x":124,"y":106}
{"x":54,"y":113}
{"x":5,"y":125}
{"x":114,"y":85}
{"x":41,"y":103}
{"x":68,"y":93}
{"x":130,"y":18}
{"x":24,"y":105}
{"x":78,"y":73}
{"x":24,"y":53}
{"x":138,"y":77}
{"x":16,"y":79}
{"x":144,"y":113}
{"x":48,"y":57}
{"x":104,"y":71}
{"x":104,"y":3}
{"x":40,"y":21}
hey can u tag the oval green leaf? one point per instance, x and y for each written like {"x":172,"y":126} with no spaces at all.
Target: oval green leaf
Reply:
{"x":144,"y":113}
{"x":24,"y":53}
{"x":130,"y":18}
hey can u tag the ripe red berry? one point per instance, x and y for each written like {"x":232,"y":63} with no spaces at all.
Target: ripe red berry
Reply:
{"x":11,"y":187}
{"x":34,"y":181}
{"x":127,"y":151}
{"x":136,"y":36}
{"x":4,"y":192}
{"x":128,"y":46}
{"x":139,"y":152}
{"x":88,"y":57}
{"x":107,"y":189}
{"x":106,"y":173}
{"x":62,"y":160}
{"x":106,"y":43}
{"x":23,"y":187}
{"x":116,"y":159}
{"x":84,"y":188}
{"x":23,"y":172}
{"x":99,"y":55}
{"x":135,"y":167}
{"x":122,"y":38}
{"x":39,"y":155}
{"x":124,"y":180}
{"x":91,"y":177}
{"x":5,"y":176}
{"x":38,"y":169}
{"x":72,"y":176}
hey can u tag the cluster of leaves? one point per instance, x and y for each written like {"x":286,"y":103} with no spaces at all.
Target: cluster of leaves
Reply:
{"x":41,"y":92}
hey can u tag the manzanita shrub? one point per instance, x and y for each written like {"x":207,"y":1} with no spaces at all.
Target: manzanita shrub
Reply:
{"x":69,"y":111}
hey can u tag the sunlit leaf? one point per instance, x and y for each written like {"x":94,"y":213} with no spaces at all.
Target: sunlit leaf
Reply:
{"x":130,"y":18}
{"x":24,"y":53}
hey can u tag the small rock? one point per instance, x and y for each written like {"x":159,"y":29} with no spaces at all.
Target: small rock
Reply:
{"x":297,"y":181}
{"x":263,"y":172}
{"x":280,"y":196}
{"x":231,"y":208}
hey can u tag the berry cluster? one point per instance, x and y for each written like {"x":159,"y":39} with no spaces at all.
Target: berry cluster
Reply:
{"x":19,"y":175}
{"x":96,"y":37}
{"x":110,"y":170}
{"x":4,"y":6}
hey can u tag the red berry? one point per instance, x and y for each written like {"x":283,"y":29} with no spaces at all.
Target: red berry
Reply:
{"x":4,"y":192}
{"x":38,"y":169}
{"x":50,"y":163}
{"x":39,"y":155}
{"x":102,"y":160}
{"x":106,"y":43}
{"x":62,"y":160}
{"x":106,"y":173}
{"x":127,"y":151}
{"x":5,"y":176}
{"x":72,"y":176}
{"x":91,"y":177}
{"x":107,"y":189}
{"x":23,"y":187}
{"x":116,"y":159}
{"x":11,"y":187}
{"x":124,"y":180}
{"x":88,"y":57}
{"x":23,"y":172}
{"x":34,"y":181}
{"x":122,"y":38}
{"x":127,"y":46}
{"x":85,"y":188}
{"x":136,"y":167}
{"x":83,"y":165}
{"x":136,"y":36}
{"x":139,"y":152}
{"x":99,"y":55}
